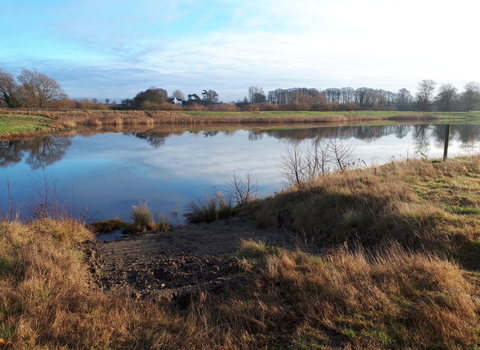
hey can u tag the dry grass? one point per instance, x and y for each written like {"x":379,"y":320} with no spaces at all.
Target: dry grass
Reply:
{"x":75,"y":118}
{"x":398,"y":295}
{"x":289,"y":300}
{"x":383,"y":300}
{"x":419,"y":203}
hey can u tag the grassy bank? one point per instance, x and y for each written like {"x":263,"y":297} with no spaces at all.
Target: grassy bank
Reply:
{"x":423,"y":205}
{"x":399,"y":270}
{"x":33,"y":121}
{"x":23,"y":125}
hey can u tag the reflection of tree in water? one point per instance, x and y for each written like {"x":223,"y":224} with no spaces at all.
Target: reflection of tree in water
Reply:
{"x":47,"y":151}
{"x":466,"y":134}
{"x":420,"y":139}
{"x":153,"y":139}
{"x":11,"y":152}
{"x":210,"y":133}
{"x":365,"y":132}
{"x":402,"y":130}
{"x":255,"y":135}
{"x":43,"y":151}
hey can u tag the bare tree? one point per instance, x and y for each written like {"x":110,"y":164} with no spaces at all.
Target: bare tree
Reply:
{"x":39,"y":88}
{"x":471,"y":95}
{"x":424,"y":94}
{"x":243,"y":190}
{"x":340,"y":153}
{"x":8,"y":89}
{"x":178,"y":95}
{"x":292,"y":165}
{"x":302,"y":165}
{"x":256,"y":94}
{"x":446,"y":97}
{"x":404,"y":99}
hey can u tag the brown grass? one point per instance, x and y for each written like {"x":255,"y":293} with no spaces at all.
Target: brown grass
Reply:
{"x":419,"y":203}
{"x":388,"y":299}
{"x":73,"y":118}
{"x":289,"y":300}
{"x":408,"y":294}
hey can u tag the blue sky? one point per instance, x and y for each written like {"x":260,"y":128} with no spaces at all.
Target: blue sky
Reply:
{"x":114,"y":49}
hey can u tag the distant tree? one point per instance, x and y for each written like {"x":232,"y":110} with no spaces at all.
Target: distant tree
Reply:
{"x":446,"y":97}
{"x":404,"y":99}
{"x":424,"y":94}
{"x":153,"y":96}
{"x":39,"y":88}
{"x":256,"y":94}
{"x":9,"y":90}
{"x":193,"y":99}
{"x":107,"y":101}
{"x":471,"y":96}
{"x":127,"y":103}
{"x":178,"y":95}
{"x":348,"y":94}
{"x":94,"y":100}
{"x":209,"y":97}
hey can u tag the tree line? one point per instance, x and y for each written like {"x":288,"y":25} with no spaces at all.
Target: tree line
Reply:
{"x":448,"y":98}
{"x":32,"y":89}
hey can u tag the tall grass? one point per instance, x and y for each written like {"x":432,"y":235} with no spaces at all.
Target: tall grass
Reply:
{"x":409,"y":202}
{"x":209,"y":209}
{"x":289,"y":299}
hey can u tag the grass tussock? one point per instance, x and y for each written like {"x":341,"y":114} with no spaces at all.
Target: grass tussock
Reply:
{"x":107,"y":226}
{"x":209,"y":209}
{"x":143,"y":220}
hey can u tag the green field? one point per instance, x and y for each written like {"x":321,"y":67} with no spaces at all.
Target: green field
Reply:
{"x":18,"y":123}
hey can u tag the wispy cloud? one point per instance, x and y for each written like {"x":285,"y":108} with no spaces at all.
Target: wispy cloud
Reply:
{"x":118,"y":48}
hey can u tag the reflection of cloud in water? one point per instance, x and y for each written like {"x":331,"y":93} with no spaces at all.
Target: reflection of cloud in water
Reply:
{"x":111,"y":172}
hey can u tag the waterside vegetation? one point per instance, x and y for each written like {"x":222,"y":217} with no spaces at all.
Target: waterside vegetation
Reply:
{"x":20,"y":123}
{"x":387,"y":258}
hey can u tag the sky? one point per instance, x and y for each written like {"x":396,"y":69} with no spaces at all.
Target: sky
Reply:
{"x":115,"y":49}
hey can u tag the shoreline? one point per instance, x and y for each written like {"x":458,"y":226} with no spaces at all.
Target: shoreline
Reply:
{"x":53,"y":122}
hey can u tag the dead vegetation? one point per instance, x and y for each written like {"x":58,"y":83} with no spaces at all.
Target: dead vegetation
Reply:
{"x":389,"y":280}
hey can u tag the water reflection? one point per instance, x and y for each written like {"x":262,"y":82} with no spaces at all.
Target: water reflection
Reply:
{"x":47,"y":150}
{"x":110,"y":172}
{"x":40,"y":152}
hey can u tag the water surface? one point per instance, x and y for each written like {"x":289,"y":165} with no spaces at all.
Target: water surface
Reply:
{"x":110,"y":172}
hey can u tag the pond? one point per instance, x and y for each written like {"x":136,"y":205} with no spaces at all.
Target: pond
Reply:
{"x":101,"y":176}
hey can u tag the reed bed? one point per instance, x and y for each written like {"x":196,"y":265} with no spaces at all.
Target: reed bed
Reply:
{"x":75,"y":118}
